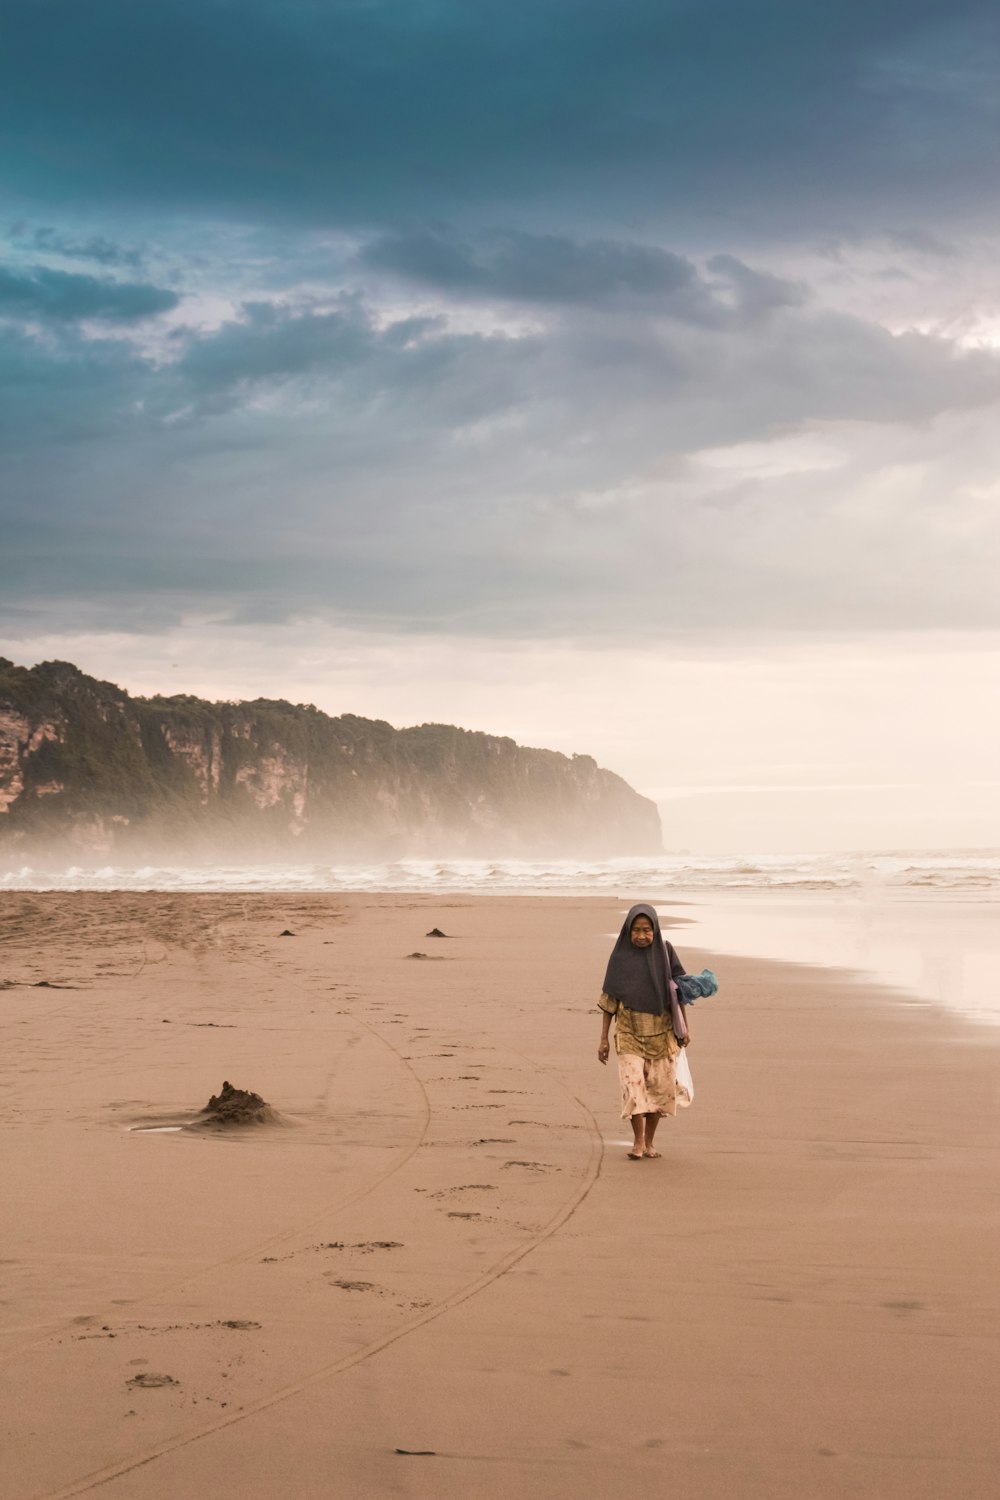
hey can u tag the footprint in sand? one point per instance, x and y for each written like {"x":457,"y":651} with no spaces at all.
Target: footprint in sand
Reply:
{"x":365,"y":1246}
{"x":530,"y":1166}
{"x":467,"y":1187}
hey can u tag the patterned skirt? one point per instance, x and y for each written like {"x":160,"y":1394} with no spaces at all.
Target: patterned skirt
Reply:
{"x":650,"y":1087}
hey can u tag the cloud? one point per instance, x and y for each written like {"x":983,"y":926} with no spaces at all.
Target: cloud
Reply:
{"x":59,"y":397}
{"x":757,"y":293}
{"x":395,"y":111}
{"x":48,"y":240}
{"x":272,"y":344}
{"x":473,"y":302}
{"x":405,"y":472}
{"x":546,"y":268}
{"x":609,"y":275}
{"x":923,"y":242}
{"x":40,"y":292}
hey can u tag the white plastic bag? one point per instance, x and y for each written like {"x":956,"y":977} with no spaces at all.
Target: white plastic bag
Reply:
{"x":684,"y":1081}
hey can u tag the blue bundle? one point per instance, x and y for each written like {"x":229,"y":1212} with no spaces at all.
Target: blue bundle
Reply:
{"x":690,"y":987}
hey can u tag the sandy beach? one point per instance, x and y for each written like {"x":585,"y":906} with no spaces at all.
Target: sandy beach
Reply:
{"x":436,"y":1275}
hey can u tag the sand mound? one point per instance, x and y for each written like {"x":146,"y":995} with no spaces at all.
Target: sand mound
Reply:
{"x":236,"y":1107}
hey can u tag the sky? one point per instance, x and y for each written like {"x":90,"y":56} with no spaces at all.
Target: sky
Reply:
{"x":622,"y":377}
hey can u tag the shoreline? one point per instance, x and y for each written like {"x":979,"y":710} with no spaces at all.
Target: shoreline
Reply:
{"x":938,"y":944}
{"x":436,"y":1254}
{"x":931,"y":950}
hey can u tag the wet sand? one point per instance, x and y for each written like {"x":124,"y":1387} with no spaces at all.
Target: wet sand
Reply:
{"x":434,"y":1274}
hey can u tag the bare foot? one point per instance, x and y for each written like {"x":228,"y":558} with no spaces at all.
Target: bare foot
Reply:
{"x":654,"y":1155}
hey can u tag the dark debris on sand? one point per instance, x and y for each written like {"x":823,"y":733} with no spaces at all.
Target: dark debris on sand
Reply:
{"x":34,"y":984}
{"x":237,"y":1107}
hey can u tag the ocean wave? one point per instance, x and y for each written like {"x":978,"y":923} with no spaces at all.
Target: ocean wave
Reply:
{"x":952,"y":870}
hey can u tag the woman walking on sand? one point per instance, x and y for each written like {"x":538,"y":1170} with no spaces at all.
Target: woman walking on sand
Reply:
{"x":650,"y":1029}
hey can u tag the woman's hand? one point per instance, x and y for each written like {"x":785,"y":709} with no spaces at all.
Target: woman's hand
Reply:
{"x":602,"y":1052}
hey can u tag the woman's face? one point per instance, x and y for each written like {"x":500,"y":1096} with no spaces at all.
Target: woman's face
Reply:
{"x":641,"y":932}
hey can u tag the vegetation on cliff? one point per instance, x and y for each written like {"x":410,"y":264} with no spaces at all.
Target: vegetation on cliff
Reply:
{"x":84,"y":764}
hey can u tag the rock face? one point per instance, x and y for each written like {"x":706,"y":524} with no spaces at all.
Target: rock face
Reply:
{"x":86,"y":768}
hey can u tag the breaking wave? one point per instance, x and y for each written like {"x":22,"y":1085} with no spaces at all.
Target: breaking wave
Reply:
{"x":961,"y":871}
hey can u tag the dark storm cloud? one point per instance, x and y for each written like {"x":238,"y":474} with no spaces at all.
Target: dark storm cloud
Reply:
{"x":546,"y":268}
{"x":362,"y":114}
{"x":40,"y":292}
{"x":671,"y":389}
{"x":471,"y":292}
{"x":323,"y":458}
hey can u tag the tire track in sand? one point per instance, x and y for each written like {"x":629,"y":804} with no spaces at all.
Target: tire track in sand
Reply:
{"x":586,"y":1182}
{"x":276,"y":1240}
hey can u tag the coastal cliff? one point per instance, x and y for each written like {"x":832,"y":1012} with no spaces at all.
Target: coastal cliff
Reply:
{"x":85,"y":767}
